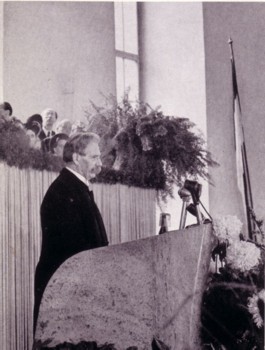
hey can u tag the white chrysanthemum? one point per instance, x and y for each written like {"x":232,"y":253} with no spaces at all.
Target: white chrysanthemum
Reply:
{"x":254,"y":309}
{"x":242,"y":256}
{"x":227,"y":228}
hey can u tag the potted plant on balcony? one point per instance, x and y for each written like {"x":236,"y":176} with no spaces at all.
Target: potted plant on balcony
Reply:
{"x":147,"y":147}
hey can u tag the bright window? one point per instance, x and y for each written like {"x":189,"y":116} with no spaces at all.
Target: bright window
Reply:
{"x":126,"y":45}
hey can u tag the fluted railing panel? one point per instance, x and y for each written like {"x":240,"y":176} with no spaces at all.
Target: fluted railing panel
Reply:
{"x":128,"y":213}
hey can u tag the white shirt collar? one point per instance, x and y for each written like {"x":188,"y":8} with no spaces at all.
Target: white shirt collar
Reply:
{"x":79,"y":176}
{"x":47,"y":131}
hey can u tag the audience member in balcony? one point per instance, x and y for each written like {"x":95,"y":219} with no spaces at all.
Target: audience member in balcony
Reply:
{"x":79,"y":126}
{"x":34,"y":118}
{"x":70,"y":219}
{"x":6,"y":115}
{"x":57,"y":144}
{"x":64,"y":127}
{"x":6,"y":111}
{"x":32,"y":130}
{"x":49,"y":117}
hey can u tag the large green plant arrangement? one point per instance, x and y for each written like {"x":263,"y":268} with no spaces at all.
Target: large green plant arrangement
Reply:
{"x":146,"y":146}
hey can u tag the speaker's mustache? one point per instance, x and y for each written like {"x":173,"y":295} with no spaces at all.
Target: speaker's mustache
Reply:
{"x":97,"y":169}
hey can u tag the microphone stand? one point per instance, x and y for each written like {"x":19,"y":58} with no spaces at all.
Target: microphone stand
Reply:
{"x":191,"y":189}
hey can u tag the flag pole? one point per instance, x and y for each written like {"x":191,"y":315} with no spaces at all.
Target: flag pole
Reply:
{"x":246,"y":177}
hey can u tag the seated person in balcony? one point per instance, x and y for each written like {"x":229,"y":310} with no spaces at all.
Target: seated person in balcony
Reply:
{"x":78,"y":126}
{"x":64,"y":126}
{"x":6,"y":112}
{"x":32,"y":130}
{"x":57,"y":144}
{"x":49,"y":117}
{"x":34,"y":118}
{"x":33,"y":127}
{"x":70,"y":219}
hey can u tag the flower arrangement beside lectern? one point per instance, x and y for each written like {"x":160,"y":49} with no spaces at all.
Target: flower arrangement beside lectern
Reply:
{"x":233,"y":303}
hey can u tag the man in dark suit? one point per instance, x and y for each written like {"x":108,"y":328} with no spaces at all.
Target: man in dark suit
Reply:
{"x":49,"y":117}
{"x":70,"y":219}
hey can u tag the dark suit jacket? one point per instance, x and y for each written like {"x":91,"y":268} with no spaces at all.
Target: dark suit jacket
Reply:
{"x":42,"y":135}
{"x":71,"y":223}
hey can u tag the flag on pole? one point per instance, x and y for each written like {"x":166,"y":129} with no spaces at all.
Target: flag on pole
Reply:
{"x":243,"y":180}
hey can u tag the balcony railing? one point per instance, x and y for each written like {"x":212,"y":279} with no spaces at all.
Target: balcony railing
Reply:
{"x":128,"y":213}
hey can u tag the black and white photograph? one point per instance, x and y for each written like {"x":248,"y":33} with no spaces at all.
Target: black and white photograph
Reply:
{"x":132,"y":166}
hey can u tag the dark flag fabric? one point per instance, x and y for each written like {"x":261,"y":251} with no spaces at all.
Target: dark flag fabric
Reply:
{"x":243,"y":180}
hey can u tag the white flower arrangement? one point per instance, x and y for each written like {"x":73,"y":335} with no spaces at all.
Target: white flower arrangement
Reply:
{"x":242,"y":256}
{"x":227,"y":228}
{"x":254,"y":309}
{"x":240,"y":279}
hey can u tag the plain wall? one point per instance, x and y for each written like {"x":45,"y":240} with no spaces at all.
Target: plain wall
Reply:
{"x":58,"y":55}
{"x":244,"y":22}
{"x":172,"y":69}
